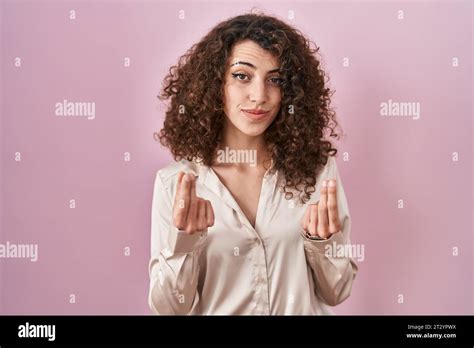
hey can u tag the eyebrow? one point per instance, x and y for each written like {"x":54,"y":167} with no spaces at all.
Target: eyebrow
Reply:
{"x":254,"y":67}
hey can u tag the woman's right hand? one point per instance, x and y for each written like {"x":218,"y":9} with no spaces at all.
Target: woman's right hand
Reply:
{"x":191,"y":213}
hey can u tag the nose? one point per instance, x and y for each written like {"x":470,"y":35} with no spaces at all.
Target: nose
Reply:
{"x":257,"y":92}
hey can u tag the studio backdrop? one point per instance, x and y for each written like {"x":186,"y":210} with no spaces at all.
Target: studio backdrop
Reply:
{"x":79,"y":106}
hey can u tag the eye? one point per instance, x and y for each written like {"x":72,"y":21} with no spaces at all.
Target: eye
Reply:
{"x":277,"y":80}
{"x":238,"y":76}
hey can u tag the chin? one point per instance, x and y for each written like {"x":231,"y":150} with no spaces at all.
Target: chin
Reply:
{"x":253,"y":130}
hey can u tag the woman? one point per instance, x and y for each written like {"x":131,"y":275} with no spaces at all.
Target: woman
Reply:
{"x":244,"y":221}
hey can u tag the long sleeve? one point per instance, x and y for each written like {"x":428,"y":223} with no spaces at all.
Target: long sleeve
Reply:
{"x":333,"y":273}
{"x":173,"y":266}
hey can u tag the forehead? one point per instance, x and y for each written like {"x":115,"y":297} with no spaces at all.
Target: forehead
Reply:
{"x":251,"y":52}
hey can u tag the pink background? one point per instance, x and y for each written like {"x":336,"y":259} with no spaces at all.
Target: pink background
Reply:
{"x":81,"y":251}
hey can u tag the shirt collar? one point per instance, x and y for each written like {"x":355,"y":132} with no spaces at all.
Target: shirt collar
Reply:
{"x":208,"y":178}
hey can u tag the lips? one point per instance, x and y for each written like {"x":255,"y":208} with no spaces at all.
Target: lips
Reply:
{"x":255,"y":114}
{"x":255,"y":111}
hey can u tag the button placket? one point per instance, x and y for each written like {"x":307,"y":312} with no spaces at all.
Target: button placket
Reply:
{"x":261,"y":278}
{"x":260,"y":281}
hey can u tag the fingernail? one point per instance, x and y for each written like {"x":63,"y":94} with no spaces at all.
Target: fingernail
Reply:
{"x":332,"y":183}
{"x":325,"y":183}
{"x":187,"y":177}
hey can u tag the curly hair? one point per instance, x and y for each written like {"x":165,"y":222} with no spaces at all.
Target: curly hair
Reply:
{"x":195,"y":116}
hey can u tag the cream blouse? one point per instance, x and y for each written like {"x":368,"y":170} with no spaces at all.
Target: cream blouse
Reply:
{"x":233,"y":268}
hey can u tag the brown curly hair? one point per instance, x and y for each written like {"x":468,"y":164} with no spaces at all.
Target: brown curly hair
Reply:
{"x":194,"y":119}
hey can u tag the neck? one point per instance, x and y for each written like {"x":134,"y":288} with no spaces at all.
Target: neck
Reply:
{"x":253,"y":146}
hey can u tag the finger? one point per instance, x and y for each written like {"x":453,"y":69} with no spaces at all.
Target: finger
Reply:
{"x":209,"y":214}
{"x":201,"y":215}
{"x":323,"y":197}
{"x":180,"y":209}
{"x":305,"y":220}
{"x":313,"y":219}
{"x":323,"y":223}
{"x":333,"y":213}
{"x":178,"y":186}
{"x":191,"y":219}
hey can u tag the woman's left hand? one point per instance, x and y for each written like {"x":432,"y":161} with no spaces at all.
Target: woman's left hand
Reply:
{"x":322,"y":218}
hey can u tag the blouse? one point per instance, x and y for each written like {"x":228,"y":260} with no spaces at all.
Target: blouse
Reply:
{"x":233,"y":268}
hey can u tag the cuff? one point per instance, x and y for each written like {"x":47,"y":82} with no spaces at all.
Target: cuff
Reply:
{"x":319,"y":244}
{"x":181,"y":242}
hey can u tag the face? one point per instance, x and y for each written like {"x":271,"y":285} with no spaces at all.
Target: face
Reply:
{"x":252,"y":91}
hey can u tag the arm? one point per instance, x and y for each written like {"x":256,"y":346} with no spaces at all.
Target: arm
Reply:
{"x":332,"y":272}
{"x":174,"y":266}
{"x":333,"y":275}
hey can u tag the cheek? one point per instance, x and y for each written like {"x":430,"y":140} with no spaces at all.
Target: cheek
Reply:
{"x":276,"y":97}
{"x":233,"y":97}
